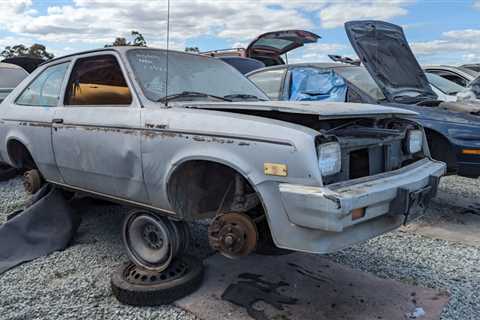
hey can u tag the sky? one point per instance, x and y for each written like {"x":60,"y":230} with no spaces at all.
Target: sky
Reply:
{"x":439,"y":31}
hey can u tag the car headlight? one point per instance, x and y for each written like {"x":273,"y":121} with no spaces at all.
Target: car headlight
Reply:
{"x":414,"y":141}
{"x":329,"y":158}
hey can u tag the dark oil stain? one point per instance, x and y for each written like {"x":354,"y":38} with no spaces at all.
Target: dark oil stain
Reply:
{"x":251,"y":289}
{"x":308,"y":273}
{"x":241,"y":143}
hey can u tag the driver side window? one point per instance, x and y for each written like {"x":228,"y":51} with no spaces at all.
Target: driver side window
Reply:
{"x":97,"y":81}
{"x":44,"y":91}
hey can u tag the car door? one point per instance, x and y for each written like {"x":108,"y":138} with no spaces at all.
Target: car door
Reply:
{"x":27,"y":118}
{"x":95,"y":133}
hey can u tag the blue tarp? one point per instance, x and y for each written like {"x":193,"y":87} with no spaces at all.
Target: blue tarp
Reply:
{"x":310,"y":84}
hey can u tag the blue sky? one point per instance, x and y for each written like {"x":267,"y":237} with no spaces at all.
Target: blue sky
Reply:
{"x":438,"y":31}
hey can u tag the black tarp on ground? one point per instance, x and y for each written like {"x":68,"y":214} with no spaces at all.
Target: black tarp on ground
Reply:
{"x":47,"y":224}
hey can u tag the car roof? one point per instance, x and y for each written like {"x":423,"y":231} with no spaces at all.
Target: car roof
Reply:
{"x":120,"y":49}
{"x":4,"y":65}
{"x":323,"y":65}
{"x":441,"y":66}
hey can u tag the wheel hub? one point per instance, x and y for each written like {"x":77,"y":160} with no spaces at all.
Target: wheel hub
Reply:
{"x":152,"y":236}
{"x":233,"y":234}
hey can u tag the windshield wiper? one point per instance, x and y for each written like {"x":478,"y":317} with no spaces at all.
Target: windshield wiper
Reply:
{"x":242,"y":96}
{"x":191,"y":94}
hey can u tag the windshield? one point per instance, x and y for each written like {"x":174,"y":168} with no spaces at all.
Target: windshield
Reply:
{"x":188,"y":73}
{"x":360,"y":78}
{"x":444,"y":85}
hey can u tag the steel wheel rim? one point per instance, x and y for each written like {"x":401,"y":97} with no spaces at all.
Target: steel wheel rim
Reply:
{"x":148,"y":241}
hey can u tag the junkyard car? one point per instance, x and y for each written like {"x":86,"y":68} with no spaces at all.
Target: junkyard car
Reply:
{"x":390,"y":76}
{"x":209,"y":145}
{"x":460,"y":75}
{"x":10,"y":76}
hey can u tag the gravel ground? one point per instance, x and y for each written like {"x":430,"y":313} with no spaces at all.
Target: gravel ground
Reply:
{"x":74,"y":284}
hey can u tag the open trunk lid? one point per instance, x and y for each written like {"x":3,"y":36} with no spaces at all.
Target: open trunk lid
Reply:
{"x":384,"y":50}
{"x":280,"y":42}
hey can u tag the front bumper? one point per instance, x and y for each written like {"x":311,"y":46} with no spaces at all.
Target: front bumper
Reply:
{"x":324,"y":214}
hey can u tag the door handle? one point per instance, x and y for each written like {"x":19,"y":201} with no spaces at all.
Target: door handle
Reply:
{"x":57,"y":120}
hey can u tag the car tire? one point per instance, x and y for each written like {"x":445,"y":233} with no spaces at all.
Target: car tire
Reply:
{"x":32,"y":181}
{"x":7,"y":172}
{"x":133,"y":285}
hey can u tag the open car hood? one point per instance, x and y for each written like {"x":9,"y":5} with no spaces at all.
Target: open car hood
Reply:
{"x":280,"y":42}
{"x":325,"y":110}
{"x":384,"y":50}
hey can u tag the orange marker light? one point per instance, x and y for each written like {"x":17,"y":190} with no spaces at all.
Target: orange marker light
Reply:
{"x":358,"y":214}
{"x":471,"y":151}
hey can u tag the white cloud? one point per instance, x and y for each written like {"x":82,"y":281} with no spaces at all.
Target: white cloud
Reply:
{"x":476,"y":4}
{"x":460,"y":45}
{"x":337,"y":13}
{"x":96,"y":22}
{"x":100,"y":21}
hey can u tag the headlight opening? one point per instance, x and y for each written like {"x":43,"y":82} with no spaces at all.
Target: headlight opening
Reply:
{"x":414,"y":141}
{"x":329,"y":158}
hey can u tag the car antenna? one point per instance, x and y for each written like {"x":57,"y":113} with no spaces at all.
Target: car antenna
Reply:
{"x":166,"y":58}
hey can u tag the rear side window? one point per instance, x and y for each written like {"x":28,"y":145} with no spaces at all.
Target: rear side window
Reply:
{"x":270,"y":82}
{"x":450,"y":76}
{"x":97,"y":80}
{"x":44,"y":91}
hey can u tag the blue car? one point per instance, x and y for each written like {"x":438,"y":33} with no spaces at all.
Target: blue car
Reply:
{"x":390,"y":75}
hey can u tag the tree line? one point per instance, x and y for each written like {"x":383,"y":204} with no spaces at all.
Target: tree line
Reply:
{"x":37,"y":50}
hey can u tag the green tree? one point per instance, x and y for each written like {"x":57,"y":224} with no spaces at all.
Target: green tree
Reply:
{"x":192,"y":49}
{"x":36,"y":50}
{"x":138,"y":41}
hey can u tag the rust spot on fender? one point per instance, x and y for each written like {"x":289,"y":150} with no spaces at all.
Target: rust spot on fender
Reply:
{"x":161,"y":134}
{"x":199,"y":139}
{"x":40,"y":125}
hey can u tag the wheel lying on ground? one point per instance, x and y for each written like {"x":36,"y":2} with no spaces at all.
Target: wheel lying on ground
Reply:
{"x":136,"y":286}
{"x":7,"y":172}
{"x":32,"y":181}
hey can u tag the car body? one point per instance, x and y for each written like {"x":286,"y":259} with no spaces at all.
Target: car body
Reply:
{"x":460,"y":75}
{"x":451,"y":128}
{"x":472,"y":66}
{"x":243,"y":65}
{"x":445,"y":90}
{"x":105,"y":127}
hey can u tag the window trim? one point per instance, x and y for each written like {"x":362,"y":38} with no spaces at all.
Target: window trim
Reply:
{"x":133,"y":103}
{"x":40,"y":72}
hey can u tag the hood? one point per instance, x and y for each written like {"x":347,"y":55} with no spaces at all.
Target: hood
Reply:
{"x":384,"y":50}
{"x":325,"y":110}
{"x":280,"y":42}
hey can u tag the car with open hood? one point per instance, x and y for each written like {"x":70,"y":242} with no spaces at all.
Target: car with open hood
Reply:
{"x":198,"y":140}
{"x":389,"y":75}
